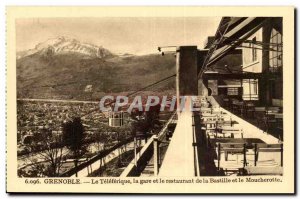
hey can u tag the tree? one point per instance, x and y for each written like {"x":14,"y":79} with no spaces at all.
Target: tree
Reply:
{"x":51,"y":154}
{"x":74,"y":138}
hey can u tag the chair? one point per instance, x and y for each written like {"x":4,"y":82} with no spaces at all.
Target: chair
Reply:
{"x":210,"y":122}
{"x":233,"y":149}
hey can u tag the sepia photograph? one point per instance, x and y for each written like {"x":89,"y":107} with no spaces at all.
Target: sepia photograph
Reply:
{"x":188,"y":99}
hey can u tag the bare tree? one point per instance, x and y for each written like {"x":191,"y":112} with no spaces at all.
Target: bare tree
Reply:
{"x":54,"y":154}
{"x":101,"y":139}
{"x":49,"y":158}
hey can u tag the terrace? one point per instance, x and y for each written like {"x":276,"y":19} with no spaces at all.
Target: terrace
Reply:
{"x":210,"y":142}
{"x":266,"y":118}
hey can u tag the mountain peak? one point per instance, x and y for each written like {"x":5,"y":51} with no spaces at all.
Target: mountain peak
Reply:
{"x":62,"y":44}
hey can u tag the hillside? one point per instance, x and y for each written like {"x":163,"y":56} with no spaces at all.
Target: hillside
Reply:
{"x":65,"y":74}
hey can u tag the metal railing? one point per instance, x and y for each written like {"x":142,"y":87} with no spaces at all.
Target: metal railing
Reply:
{"x":151,"y":148}
{"x":101,"y":154}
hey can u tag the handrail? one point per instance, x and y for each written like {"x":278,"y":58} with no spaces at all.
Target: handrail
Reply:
{"x":162,"y":134}
{"x":147,"y":151}
{"x":132,"y":169}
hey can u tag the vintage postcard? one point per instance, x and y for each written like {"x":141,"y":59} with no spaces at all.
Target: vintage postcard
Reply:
{"x":150,"y":100}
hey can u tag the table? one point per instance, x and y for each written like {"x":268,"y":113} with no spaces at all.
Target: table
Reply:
{"x":228,"y":130}
{"x":247,"y":141}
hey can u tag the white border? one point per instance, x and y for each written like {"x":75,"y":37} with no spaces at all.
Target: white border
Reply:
{"x":91,"y":2}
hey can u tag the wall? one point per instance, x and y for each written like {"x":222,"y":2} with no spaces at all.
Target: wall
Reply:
{"x":248,"y":64}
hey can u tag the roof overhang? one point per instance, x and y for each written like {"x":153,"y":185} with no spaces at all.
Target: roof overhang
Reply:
{"x":232,"y":32}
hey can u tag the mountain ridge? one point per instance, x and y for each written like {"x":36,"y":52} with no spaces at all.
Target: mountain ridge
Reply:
{"x":64,"y":44}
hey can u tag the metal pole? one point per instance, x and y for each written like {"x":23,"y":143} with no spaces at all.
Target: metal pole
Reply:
{"x":135,"y":160}
{"x":219,"y":155}
{"x":255,"y":152}
{"x":244,"y":153}
{"x":156,"y":155}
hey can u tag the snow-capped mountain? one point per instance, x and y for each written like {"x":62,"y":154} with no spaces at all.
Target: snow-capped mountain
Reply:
{"x":62,"y":45}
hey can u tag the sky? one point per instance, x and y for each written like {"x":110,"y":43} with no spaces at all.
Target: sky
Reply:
{"x":133,"y":35}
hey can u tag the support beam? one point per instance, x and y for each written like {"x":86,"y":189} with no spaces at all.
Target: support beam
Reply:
{"x":156,"y":155}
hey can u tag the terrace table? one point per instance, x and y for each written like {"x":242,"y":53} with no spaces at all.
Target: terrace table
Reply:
{"x":233,"y":146}
{"x":247,"y":141}
{"x":209,"y":124}
{"x":228,"y":130}
{"x":208,"y":115}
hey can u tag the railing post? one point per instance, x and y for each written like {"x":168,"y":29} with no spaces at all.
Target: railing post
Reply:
{"x":87,"y":159}
{"x":219,"y":155}
{"x":244,"y":153}
{"x":156,"y":155}
{"x":135,"y":158}
{"x":255,"y":154}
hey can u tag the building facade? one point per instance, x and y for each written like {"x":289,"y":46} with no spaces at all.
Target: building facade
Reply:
{"x":262,"y":53}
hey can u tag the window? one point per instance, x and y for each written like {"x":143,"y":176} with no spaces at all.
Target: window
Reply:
{"x":275,"y":59}
{"x":232,"y":91}
{"x":250,"y":89}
